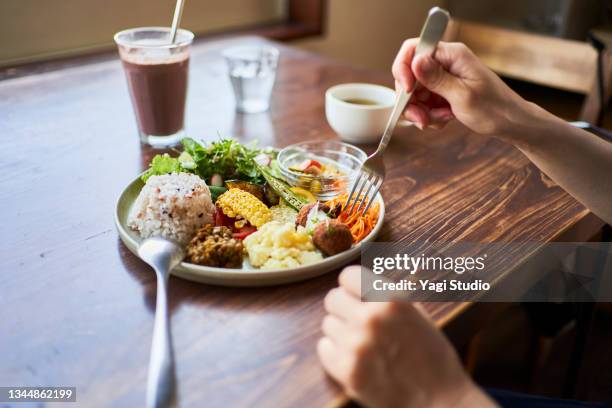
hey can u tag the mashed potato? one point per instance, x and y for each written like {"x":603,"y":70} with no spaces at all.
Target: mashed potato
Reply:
{"x":279,"y":245}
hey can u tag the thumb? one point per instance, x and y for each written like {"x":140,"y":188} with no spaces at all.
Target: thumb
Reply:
{"x":435,"y":78}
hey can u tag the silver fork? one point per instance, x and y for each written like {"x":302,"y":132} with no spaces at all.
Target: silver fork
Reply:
{"x":372,"y":173}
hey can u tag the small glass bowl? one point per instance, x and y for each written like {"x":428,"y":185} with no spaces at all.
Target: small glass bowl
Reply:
{"x":342,"y":156}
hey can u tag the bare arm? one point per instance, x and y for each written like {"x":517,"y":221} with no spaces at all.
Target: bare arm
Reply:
{"x":456,"y":85}
{"x":578,"y":161}
{"x":390,"y":353}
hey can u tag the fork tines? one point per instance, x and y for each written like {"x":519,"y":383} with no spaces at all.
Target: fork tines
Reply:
{"x":371,"y":183}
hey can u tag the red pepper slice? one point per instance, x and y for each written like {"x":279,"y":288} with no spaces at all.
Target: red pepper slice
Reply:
{"x":244,"y":232}
{"x":222,"y":220}
{"x":239,"y":233}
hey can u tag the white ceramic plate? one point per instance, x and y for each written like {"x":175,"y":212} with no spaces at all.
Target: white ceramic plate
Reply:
{"x":236,"y":277}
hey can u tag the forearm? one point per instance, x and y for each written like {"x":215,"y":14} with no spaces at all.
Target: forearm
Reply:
{"x":578,"y":161}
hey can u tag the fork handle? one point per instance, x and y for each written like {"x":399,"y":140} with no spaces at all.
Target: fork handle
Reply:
{"x":431,"y":34}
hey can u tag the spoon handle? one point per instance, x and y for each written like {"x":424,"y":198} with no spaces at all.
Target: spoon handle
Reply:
{"x":161,"y":381}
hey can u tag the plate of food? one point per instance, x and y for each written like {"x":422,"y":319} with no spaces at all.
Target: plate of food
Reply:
{"x":250,"y":216}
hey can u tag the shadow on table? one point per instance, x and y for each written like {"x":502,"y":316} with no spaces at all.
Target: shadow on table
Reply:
{"x":278,"y":299}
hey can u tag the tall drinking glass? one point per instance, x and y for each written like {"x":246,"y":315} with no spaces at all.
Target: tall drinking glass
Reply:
{"x":156,"y":72}
{"x":252,"y":71}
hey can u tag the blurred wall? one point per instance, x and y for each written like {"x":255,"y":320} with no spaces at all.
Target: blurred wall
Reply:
{"x":33,"y":30}
{"x":562,"y":18}
{"x":369,"y":32}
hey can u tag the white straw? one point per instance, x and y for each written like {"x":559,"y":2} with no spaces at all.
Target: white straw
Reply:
{"x":176,"y":21}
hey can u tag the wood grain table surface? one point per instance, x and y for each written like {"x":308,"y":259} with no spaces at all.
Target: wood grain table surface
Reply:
{"x":76,"y":307}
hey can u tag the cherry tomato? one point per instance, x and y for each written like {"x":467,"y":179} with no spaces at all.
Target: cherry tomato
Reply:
{"x":309,"y":163}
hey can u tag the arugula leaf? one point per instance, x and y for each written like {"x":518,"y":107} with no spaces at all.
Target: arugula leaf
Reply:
{"x":226,"y":157}
{"x":162,"y":164}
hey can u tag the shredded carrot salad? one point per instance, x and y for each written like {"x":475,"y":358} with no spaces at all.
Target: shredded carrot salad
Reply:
{"x":360,"y":226}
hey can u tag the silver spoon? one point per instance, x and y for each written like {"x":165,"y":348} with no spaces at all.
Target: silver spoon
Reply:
{"x":163,"y":255}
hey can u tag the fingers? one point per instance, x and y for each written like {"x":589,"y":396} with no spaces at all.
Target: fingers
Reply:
{"x":422,"y":95}
{"x":342,"y":304}
{"x":457,"y":59}
{"x":401,"y":69}
{"x":443,"y":72}
{"x":336,"y":329}
{"x":334,"y":360}
{"x":350,"y":279}
{"x":441,"y":115}
{"x":423,"y":117}
{"x":433,"y":76}
{"x":417,"y":114}
{"x":445,"y":78}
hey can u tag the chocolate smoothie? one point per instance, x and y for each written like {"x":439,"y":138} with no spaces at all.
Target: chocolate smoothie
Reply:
{"x":158,"y":91}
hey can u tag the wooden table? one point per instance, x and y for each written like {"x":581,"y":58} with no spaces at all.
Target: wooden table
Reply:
{"x":76,"y":308}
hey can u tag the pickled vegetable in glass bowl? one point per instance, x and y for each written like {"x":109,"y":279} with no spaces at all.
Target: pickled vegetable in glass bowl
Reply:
{"x":324,"y":168}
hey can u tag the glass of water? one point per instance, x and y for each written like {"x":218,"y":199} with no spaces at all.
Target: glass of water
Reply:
{"x":252,"y":71}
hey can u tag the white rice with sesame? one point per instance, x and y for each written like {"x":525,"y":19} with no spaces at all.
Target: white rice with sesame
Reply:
{"x":173,"y":205}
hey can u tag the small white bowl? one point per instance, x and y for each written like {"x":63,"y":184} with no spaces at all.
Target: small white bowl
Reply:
{"x":359,"y":123}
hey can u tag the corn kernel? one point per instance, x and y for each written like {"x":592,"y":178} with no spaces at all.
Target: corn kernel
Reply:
{"x":235,"y":202}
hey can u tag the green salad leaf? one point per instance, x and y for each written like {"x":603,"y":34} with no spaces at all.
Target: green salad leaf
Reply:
{"x":186,"y":161}
{"x":229,"y":159}
{"x":162,"y":164}
{"x":226,"y":157}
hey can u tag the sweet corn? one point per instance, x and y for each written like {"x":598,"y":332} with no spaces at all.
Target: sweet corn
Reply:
{"x":239,"y":203}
